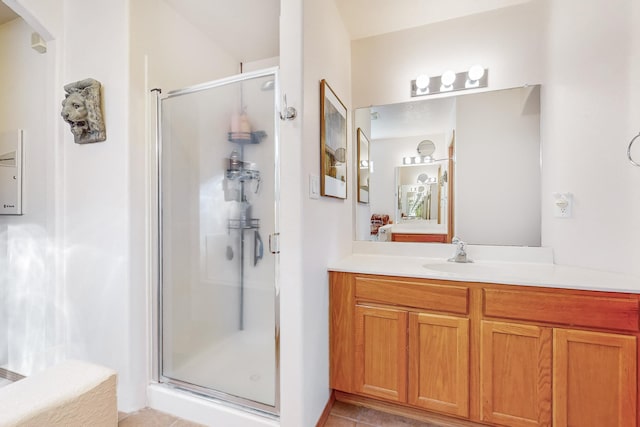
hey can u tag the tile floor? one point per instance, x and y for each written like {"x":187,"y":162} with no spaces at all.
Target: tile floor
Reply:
{"x":347,"y":415}
{"x":151,"y":418}
{"x":342,"y":415}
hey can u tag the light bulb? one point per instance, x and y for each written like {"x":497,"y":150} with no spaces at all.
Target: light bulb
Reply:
{"x":422,"y":81}
{"x":448,"y":77}
{"x":476,"y":72}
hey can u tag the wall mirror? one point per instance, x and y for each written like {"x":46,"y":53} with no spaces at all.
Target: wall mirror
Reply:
{"x":363,"y":167}
{"x":481,"y":182}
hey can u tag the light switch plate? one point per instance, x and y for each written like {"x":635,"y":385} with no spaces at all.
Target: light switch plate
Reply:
{"x":314,"y":187}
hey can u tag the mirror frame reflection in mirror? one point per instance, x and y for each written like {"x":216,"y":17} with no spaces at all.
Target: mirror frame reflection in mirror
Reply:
{"x":494,"y":172}
{"x":363,"y":167}
{"x":426,"y":147}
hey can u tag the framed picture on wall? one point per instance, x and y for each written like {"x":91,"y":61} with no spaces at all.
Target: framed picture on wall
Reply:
{"x":333,"y":144}
{"x":363,"y":167}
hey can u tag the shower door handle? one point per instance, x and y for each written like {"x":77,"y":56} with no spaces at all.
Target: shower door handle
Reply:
{"x":274,"y":243}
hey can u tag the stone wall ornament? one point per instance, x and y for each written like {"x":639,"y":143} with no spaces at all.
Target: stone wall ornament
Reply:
{"x":82,"y":109}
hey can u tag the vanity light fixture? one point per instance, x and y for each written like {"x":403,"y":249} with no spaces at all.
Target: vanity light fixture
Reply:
{"x":447,"y":80}
{"x":477,"y":76}
{"x":416,"y":160}
{"x":422,"y":84}
{"x":475,"y":73}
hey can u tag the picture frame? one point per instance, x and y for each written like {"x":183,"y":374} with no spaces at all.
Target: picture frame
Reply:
{"x":333,"y":143}
{"x":364,"y":167}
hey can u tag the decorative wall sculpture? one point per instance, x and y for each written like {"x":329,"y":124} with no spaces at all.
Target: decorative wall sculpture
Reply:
{"x":82,"y":109}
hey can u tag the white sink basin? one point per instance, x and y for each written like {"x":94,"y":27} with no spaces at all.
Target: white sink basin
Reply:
{"x":467,"y":268}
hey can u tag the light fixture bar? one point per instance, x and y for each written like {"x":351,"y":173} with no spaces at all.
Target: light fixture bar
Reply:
{"x":423,"y":85}
{"x":420,"y":160}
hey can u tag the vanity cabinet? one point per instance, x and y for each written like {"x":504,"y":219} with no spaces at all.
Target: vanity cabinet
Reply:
{"x":587,"y":375}
{"x":594,"y":376}
{"x":494,"y":354}
{"x":380,"y":352}
{"x":414,"y":237}
{"x":409,"y":341}
{"x":594,"y":379}
{"x":439,"y":363}
{"x":515,"y":374}
{"x":414,"y":357}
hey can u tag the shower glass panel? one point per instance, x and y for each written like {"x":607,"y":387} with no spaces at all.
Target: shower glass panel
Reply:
{"x":218,"y":209}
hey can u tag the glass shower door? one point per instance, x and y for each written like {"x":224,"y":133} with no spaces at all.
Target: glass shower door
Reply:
{"x":218,"y":207}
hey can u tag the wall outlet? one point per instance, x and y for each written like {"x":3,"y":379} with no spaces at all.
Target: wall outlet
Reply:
{"x":314,"y":187}
{"x":562,"y":205}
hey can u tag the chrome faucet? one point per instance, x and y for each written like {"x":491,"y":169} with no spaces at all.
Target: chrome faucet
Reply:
{"x":461,"y":253}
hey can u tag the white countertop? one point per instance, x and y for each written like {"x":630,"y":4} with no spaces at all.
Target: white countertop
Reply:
{"x":418,"y":227}
{"x":538,"y":273}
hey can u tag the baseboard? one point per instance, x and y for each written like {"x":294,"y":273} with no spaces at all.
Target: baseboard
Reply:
{"x":403,"y":411}
{"x":327,"y":410}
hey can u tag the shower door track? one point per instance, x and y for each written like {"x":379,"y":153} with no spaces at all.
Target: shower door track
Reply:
{"x":208,"y":393}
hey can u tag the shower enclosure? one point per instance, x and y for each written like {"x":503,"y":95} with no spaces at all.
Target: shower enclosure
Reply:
{"x":218,"y":223}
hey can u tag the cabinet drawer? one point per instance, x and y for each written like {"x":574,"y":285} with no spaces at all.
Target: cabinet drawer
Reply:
{"x":406,"y":237}
{"x":432,"y":295}
{"x":562,"y":308}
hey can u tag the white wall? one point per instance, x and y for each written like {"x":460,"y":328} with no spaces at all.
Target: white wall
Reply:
{"x":294,"y":385}
{"x":507,"y":41}
{"x":588,"y":100}
{"x":29,"y":334}
{"x":586,"y":120}
{"x":101,"y":294}
{"x":327,"y":222}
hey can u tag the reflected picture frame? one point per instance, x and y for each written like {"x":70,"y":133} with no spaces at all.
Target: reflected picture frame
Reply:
{"x":333,"y":144}
{"x":364,"y":165}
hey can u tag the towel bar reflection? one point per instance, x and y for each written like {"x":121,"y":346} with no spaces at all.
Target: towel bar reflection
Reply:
{"x":629,"y":150}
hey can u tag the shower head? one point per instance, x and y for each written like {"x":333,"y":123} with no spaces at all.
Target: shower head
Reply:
{"x":268,"y":85}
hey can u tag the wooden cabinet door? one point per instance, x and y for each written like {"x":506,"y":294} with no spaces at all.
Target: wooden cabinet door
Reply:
{"x":381,"y":352}
{"x":594,"y":379}
{"x":438,"y":377}
{"x":515,"y":374}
